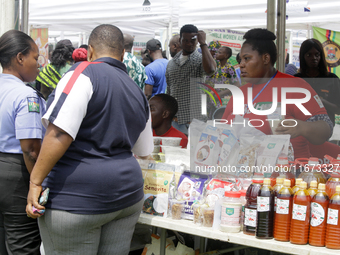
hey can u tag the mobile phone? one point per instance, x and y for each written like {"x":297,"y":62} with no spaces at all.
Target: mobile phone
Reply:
{"x":38,"y":211}
{"x":44,"y":196}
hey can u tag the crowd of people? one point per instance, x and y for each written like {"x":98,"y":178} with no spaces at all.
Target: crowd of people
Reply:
{"x":103,"y":107}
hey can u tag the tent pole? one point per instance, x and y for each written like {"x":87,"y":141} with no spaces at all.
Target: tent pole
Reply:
{"x":271,"y":15}
{"x":281,"y":34}
{"x":7,"y":12}
{"x":24,"y":16}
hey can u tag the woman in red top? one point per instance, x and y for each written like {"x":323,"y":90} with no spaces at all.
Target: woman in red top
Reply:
{"x":258,"y":56}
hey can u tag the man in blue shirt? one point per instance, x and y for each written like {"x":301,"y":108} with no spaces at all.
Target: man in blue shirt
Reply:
{"x":155,"y":71}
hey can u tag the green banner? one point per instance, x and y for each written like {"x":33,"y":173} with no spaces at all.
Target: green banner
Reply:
{"x":330,"y":41}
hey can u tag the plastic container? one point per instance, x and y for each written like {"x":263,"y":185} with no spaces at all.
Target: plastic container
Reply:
{"x":301,"y":216}
{"x":231,"y":212}
{"x":282,"y":170}
{"x":156,"y":140}
{"x":297,"y":185}
{"x":171,"y":149}
{"x":243,"y":202}
{"x":265,"y":211}
{"x":333,"y":223}
{"x":155,"y":156}
{"x":318,"y":222}
{"x":171,"y":141}
{"x":312,"y":172}
{"x":156,"y":148}
{"x":208,"y":216}
{"x":283,"y":214}
{"x":313,"y":188}
{"x":250,"y":209}
{"x":162,"y":157}
{"x":197,"y":212}
{"x":177,"y":207}
{"x":332,"y":182}
{"x":277,"y":187}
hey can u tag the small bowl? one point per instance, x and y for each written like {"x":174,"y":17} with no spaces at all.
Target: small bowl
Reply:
{"x":157,"y":140}
{"x":171,"y":149}
{"x":171,"y":141}
{"x":156,"y":148}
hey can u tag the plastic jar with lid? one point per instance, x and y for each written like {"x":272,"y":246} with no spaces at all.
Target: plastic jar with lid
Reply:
{"x":231,"y":212}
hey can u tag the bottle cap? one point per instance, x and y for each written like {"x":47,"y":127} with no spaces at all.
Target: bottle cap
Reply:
{"x":313,"y":160}
{"x":266,"y":181}
{"x":322,"y":186}
{"x":298,"y":180}
{"x":279,"y":180}
{"x":286,"y":183}
{"x":337,"y":189}
{"x":243,"y":192}
{"x":303,"y":185}
{"x":282,"y":161}
{"x":313,"y":184}
{"x":257,"y":180}
{"x":236,"y":194}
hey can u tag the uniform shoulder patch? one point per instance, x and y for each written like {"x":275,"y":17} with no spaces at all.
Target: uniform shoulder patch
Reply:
{"x":33,"y":104}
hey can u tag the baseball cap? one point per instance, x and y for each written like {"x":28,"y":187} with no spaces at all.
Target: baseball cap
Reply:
{"x":153,"y":45}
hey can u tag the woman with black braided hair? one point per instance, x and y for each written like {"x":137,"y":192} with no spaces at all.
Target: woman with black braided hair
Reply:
{"x":61,"y":62}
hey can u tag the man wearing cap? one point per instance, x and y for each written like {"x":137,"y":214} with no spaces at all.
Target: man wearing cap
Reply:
{"x":155,"y":82}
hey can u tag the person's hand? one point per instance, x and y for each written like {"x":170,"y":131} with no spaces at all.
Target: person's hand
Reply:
{"x":294,"y":128}
{"x":201,"y":37}
{"x":32,"y":200}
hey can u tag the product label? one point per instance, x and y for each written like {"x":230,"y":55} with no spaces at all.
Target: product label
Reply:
{"x":317,"y":214}
{"x":332,"y":217}
{"x":250,"y":217}
{"x":299,"y":212}
{"x":230,"y":215}
{"x":275,"y":203}
{"x":282,"y":206}
{"x":263,"y":204}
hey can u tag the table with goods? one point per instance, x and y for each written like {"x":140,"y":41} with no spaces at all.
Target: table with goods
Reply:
{"x":291,"y":208}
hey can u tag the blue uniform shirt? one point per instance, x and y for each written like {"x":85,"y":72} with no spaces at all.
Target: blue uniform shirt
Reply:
{"x":21,"y":110}
{"x":155,"y":73}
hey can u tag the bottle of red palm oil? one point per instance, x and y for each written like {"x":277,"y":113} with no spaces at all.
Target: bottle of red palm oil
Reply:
{"x":297,"y":185}
{"x":313,"y":188}
{"x":301,"y":216}
{"x":250,"y":212}
{"x":283,"y":212}
{"x":276,"y":189}
{"x":333,"y":223}
{"x":318,"y":222}
{"x":265,"y":211}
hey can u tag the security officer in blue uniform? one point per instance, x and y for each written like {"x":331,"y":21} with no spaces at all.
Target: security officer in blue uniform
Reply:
{"x":21,"y":132}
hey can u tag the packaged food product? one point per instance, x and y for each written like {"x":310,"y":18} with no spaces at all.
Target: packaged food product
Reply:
{"x":248,"y":151}
{"x":156,"y":148}
{"x":197,"y":211}
{"x":231,"y":212}
{"x":208,"y":217}
{"x":155,"y":156}
{"x":333,"y":222}
{"x":215,"y":190}
{"x":156,"y":192}
{"x":177,"y":207}
{"x":156,"y":140}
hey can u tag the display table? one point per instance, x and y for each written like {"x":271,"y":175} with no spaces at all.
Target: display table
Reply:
{"x":186,"y":226}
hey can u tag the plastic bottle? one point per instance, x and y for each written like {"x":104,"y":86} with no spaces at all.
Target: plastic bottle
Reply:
{"x":333,"y":223}
{"x":231,"y":212}
{"x":313,"y":188}
{"x":283,"y":212}
{"x":250,"y":212}
{"x":282,"y":170}
{"x":265,"y":211}
{"x":333,"y":181}
{"x":319,"y":207}
{"x":312,"y":171}
{"x":243,"y":202}
{"x":301,"y":216}
{"x":297,"y":185}
{"x":276,"y":189}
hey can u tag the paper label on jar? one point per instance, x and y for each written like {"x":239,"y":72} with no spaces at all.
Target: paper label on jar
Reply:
{"x":230,"y":215}
{"x":263,"y":204}
{"x":250,"y":217}
{"x":317,"y":214}
{"x":333,"y":216}
{"x":282,"y":206}
{"x":299,"y":212}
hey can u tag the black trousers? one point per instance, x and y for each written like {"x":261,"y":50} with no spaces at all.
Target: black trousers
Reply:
{"x":21,"y":233}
